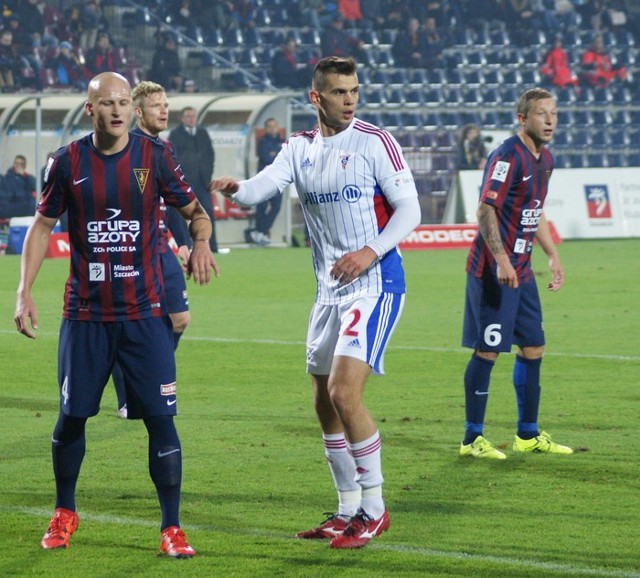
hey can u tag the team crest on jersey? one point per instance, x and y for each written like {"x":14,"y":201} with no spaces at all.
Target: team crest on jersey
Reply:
{"x":500,"y":171}
{"x":344,"y":159}
{"x":141,"y":176}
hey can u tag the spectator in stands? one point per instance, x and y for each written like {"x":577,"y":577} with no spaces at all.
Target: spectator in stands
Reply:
{"x":556,"y":67}
{"x":597,"y":66}
{"x":194,"y":150}
{"x":430,"y":9}
{"x":91,"y":22}
{"x":433,"y":43}
{"x":269,"y":146}
{"x":397,"y":12}
{"x":17,"y":191}
{"x":33,"y":23}
{"x":100,"y":58}
{"x":70,"y":27}
{"x":314,"y":13}
{"x":243,"y":13}
{"x":28,"y":60}
{"x":408,"y":46}
{"x":9,"y":62}
{"x":523,"y":21}
{"x":67,"y":68}
{"x":166,"y":69}
{"x":286,"y":70}
{"x":350,"y":11}
{"x":184,"y":16}
{"x":471,"y":151}
{"x":336,"y":41}
{"x":373,"y":12}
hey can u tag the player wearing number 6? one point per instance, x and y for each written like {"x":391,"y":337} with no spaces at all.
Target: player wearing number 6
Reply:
{"x":359,"y":201}
{"x":502,"y":304}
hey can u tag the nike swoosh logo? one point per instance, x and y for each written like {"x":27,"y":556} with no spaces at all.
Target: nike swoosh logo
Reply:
{"x":171,"y":401}
{"x":163,"y":454}
{"x":526,"y":178}
{"x":79,"y":181}
{"x":373,"y":533}
{"x":481,"y":392}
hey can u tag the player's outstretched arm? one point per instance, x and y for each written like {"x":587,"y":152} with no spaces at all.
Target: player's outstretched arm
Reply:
{"x":33,"y":252}
{"x":225,"y":185}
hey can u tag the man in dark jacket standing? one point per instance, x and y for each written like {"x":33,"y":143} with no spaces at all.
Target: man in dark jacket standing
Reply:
{"x":17,"y":191}
{"x":196,"y":156}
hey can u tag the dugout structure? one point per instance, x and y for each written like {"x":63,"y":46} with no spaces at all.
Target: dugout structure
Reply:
{"x":35,"y":125}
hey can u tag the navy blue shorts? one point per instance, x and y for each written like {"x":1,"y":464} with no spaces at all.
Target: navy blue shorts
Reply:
{"x":175,"y":287}
{"x":496,"y":316}
{"x":87,"y":351}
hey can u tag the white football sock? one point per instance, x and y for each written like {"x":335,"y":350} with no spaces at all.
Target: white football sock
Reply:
{"x":367,"y":456}
{"x":343,"y":471}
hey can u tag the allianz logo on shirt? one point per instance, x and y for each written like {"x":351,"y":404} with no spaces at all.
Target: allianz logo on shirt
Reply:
{"x":350,"y":193}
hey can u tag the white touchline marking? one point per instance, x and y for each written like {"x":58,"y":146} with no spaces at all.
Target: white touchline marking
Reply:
{"x":456,"y":350}
{"x":565,"y":569}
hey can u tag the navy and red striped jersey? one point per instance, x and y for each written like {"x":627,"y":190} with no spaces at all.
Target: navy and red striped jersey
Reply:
{"x":112,"y":204}
{"x":515,"y":182}
{"x":163,"y":226}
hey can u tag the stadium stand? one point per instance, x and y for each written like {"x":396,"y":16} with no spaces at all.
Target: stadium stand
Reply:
{"x":485,"y":68}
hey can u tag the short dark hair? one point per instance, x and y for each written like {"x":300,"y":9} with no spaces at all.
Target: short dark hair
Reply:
{"x":525,"y":102}
{"x":332,"y":64}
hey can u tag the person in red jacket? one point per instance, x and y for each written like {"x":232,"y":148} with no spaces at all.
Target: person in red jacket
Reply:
{"x":556,"y":67}
{"x":598,"y":69}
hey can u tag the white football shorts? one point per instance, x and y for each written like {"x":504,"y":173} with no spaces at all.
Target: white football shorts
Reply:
{"x":360,"y":328}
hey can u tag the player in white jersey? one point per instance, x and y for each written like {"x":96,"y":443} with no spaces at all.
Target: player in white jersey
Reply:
{"x":359,"y":201}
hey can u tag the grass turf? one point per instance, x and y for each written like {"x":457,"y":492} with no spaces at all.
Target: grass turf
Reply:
{"x":254,"y":470}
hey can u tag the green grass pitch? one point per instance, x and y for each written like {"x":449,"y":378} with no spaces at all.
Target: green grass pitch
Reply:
{"x":254,"y":470}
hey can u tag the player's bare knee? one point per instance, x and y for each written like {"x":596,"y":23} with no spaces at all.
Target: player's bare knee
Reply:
{"x":531,"y":352}
{"x":487,"y":355}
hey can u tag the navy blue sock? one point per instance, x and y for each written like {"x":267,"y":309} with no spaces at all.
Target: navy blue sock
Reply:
{"x":118,"y":382}
{"x":526,"y":381}
{"x":476,"y":395}
{"x":165,"y":466}
{"x":67,"y":451}
{"x":176,"y":339}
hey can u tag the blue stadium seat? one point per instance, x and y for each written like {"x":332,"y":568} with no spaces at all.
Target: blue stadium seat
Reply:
{"x":475,"y":58}
{"x":375,"y":97}
{"x":391,"y":121}
{"x":412,"y":121}
{"x":617,"y":160}
{"x":474,"y":78}
{"x":413,"y":97}
{"x":450,"y":120}
{"x":453,"y":97}
{"x":619,"y":138}
{"x":493,"y":78}
{"x":596,"y":160}
{"x":600,"y":138}
{"x":491,"y":97}
{"x":633,"y":160}
{"x":472,"y":97}
{"x":405,"y":138}
{"x":432,"y":121}
{"x":581,"y":138}
{"x":433,"y":96}
{"x":454,"y":77}
{"x":394,"y":97}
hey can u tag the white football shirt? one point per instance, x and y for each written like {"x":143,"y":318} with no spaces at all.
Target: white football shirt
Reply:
{"x":345,"y":183}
